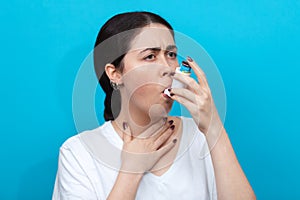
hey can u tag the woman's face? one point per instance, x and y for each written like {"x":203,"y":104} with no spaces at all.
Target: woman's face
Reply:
{"x":147,"y":68}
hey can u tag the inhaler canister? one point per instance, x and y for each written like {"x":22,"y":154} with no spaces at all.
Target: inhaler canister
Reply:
{"x":184,"y":69}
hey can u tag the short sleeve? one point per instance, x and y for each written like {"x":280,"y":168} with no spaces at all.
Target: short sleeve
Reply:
{"x":71,"y":180}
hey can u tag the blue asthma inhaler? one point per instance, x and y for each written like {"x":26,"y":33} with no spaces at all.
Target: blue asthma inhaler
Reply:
{"x":184,"y":69}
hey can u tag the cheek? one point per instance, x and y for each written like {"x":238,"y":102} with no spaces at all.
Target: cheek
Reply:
{"x":142,"y":79}
{"x":145,"y":97}
{"x":147,"y":94}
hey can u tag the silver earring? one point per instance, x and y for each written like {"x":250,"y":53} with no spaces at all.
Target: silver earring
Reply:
{"x":114,"y":85}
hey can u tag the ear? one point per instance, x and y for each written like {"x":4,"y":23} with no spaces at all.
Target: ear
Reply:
{"x":113,"y":74}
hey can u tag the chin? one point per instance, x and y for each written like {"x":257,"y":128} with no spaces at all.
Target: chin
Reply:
{"x":159,"y":110}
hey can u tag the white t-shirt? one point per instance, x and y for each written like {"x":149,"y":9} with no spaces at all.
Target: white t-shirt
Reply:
{"x":84,"y":173}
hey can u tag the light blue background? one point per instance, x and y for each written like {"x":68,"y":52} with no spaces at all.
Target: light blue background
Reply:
{"x":255,"y":45}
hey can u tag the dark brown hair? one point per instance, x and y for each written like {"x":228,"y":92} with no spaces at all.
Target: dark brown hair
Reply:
{"x":107,"y":50}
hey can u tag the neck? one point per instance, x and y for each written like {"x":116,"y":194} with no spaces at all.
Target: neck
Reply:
{"x":137,"y":120}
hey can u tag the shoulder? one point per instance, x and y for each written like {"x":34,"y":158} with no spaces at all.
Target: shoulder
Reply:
{"x":73,"y":150}
{"x":100,"y":145}
{"x":76,"y":140}
{"x":76,"y":170}
{"x":74,"y":156}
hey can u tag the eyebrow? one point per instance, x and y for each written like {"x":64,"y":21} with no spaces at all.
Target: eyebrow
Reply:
{"x":168,"y":48}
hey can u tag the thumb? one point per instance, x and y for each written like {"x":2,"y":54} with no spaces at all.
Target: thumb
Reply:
{"x":126,"y":133}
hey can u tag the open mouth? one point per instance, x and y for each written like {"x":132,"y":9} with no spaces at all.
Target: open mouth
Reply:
{"x":166,"y":92}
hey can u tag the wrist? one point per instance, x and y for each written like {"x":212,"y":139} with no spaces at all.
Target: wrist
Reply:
{"x":216,"y":129}
{"x":126,"y":186}
{"x":131,"y":167}
{"x":130,"y":176}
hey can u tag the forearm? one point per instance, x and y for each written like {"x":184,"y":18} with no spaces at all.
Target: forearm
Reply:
{"x":125,"y":187}
{"x":230,"y":179}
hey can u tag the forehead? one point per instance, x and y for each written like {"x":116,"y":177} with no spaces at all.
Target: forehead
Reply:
{"x":153,"y":35}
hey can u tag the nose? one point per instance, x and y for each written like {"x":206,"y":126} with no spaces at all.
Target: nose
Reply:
{"x":168,"y":68}
{"x":167,"y":72}
{"x":164,"y":61}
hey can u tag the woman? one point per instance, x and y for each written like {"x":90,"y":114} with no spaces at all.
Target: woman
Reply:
{"x":135,"y":59}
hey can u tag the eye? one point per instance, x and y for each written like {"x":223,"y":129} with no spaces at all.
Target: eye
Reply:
{"x":172,"y":54}
{"x":149,"y":57}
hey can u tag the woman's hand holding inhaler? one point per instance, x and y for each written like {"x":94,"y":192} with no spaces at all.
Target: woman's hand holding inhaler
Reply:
{"x":197,"y":98}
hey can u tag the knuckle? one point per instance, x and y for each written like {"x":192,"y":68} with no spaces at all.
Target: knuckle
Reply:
{"x":200,"y":104}
{"x":205,"y":96}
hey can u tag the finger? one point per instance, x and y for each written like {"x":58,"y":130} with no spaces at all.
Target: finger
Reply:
{"x":189,"y":95}
{"x":127,"y":137}
{"x":199,"y":73}
{"x":192,"y":107}
{"x":189,"y":81}
{"x":165,"y":128}
{"x":166,"y":148}
{"x":164,"y":137}
{"x":154,"y":128}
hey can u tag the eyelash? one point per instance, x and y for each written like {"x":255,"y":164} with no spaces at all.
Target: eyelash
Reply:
{"x":175,"y":54}
{"x":147,"y":57}
{"x":168,"y":53}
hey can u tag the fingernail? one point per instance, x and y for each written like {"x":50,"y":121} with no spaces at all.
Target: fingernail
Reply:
{"x":171,"y":122}
{"x":172,"y":94}
{"x":125,"y":125}
{"x":172,"y":127}
{"x":185,"y":63}
{"x":174,"y":141}
{"x":165,"y":119}
{"x":189,"y":59}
